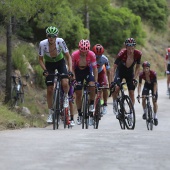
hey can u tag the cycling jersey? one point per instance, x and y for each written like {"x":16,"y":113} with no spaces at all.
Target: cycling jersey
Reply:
{"x":122,"y":71}
{"x":102,"y":60}
{"x":60,"y":47}
{"x":148,"y":85}
{"x":152,"y":76}
{"x":122,"y":57}
{"x":90,"y":59}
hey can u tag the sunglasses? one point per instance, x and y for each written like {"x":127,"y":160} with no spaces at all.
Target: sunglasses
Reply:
{"x":51,"y":36}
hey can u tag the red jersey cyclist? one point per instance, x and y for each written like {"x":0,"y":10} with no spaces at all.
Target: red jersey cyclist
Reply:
{"x":123,"y":68}
{"x":51,"y":57}
{"x":102,"y":60}
{"x":150,"y":78}
{"x":84,"y":68}
{"x":167,"y":69}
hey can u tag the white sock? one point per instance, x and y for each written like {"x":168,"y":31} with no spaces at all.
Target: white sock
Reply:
{"x":145,"y":109}
{"x":155,"y":115}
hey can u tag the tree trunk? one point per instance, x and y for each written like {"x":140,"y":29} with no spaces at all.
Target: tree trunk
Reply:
{"x":9,"y":61}
{"x":87,"y":18}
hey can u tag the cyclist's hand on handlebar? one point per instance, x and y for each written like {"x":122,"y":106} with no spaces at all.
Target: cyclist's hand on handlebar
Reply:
{"x":112,"y":84}
{"x":70,"y":74}
{"x":74,"y":82}
{"x":97,"y":84}
{"x":138,"y":98}
{"x":135,"y":82}
{"x":45,"y":73}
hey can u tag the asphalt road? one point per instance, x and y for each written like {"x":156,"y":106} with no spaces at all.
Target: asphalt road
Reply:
{"x":107,"y":148}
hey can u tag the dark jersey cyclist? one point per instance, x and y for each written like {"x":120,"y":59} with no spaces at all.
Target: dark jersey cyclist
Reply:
{"x":51,"y":57}
{"x":123,"y":68}
{"x":150,"y":78}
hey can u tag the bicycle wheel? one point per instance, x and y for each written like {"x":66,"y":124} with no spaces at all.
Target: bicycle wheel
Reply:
{"x":21,"y":94}
{"x":66,"y":117}
{"x":129,"y":112}
{"x":169,"y":92}
{"x":14,"y":97}
{"x":120,"y":111}
{"x":56,"y":108}
{"x":149,"y":118}
{"x":84,"y":111}
{"x":97,"y":114}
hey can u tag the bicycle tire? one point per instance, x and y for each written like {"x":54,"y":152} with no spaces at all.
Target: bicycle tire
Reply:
{"x":56,"y":108}
{"x":120,"y":111}
{"x":130,"y":119}
{"x":149,"y":118}
{"x":84,"y":112}
{"x":21,"y":94}
{"x":65,"y":117}
{"x":97,"y":114}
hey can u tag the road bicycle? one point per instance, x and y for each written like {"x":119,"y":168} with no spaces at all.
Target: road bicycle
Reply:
{"x":98,"y":107}
{"x":59,"y":111}
{"x":17,"y":90}
{"x":125,"y":108}
{"x":85,"y":106}
{"x":149,"y":111}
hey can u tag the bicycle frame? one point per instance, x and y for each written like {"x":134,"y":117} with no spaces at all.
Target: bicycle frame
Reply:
{"x":149,"y":113}
{"x":59,"y":111}
{"x":127,"y":115}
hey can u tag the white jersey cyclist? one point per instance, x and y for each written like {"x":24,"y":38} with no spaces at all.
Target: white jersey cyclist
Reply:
{"x":60,"y":47}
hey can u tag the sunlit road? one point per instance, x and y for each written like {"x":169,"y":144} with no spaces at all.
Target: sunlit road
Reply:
{"x":108,"y":148}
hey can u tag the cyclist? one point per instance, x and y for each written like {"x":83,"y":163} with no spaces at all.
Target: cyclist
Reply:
{"x":84,"y":68}
{"x":102,"y":60}
{"x":51,"y":50}
{"x":123,"y":67}
{"x":167,"y":68}
{"x":150,"y":78}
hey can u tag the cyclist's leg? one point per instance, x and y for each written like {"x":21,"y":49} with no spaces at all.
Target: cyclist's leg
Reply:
{"x":145,"y":92}
{"x":155,"y":107}
{"x":80,"y":76}
{"x":61,"y":67}
{"x":90,"y":81}
{"x":118,"y":80}
{"x":103,"y":82}
{"x":50,"y":86}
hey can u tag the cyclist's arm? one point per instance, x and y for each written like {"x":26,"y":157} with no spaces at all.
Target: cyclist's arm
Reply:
{"x":137,"y":70}
{"x":108,"y":76}
{"x":113,"y":71}
{"x":95,"y":72}
{"x":69,"y":61}
{"x":165,"y":64}
{"x":155,"y":88}
{"x":139,"y":88}
{"x":42,"y":63}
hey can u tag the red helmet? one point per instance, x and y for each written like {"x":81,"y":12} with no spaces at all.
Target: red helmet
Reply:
{"x":98,"y":49}
{"x":168,"y":50}
{"x":84,"y":45}
{"x":146,"y":64}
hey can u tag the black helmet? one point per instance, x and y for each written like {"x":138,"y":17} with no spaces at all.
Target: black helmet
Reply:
{"x":146,"y":64}
{"x":130,"y":42}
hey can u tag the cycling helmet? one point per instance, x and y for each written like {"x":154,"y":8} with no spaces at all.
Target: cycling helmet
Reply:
{"x":84,"y":45}
{"x":130,"y":42}
{"x":146,"y":64}
{"x":52,"y":31}
{"x":168,"y":50}
{"x":98,"y":49}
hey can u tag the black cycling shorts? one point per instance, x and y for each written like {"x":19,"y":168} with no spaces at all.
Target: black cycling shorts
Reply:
{"x":51,"y":67}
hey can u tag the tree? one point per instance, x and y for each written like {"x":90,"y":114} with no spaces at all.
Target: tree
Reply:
{"x":9,"y":9}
